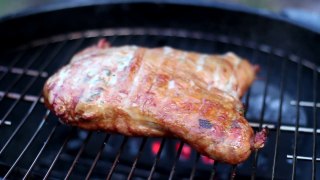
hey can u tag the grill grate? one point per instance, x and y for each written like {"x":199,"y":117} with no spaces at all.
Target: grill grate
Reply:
{"x":34,"y":145}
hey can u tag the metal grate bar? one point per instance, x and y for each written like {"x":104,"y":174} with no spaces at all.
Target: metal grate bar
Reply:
{"x":265,"y":92}
{"x":247,"y":102}
{"x":115,"y":163}
{"x":300,"y":129}
{"x":41,"y":150}
{"x":295,"y":149}
{"x":306,"y":158}
{"x":7,"y":122}
{"x":26,"y":97}
{"x":93,"y":165}
{"x":194,"y":168}
{"x":290,"y":128}
{"x":116,"y":160}
{"x":59,"y":152}
{"x":156,"y":160}
{"x":196,"y":47}
{"x":59,"y":38}
{"x":27,"y":146}
{"x":314,"y":142}
{"x":233,"y":172}
{"x":279,"y":120}
{"x":247,"y":105}
{"x":180,"y":44}
{"x":214,"y":170}
{"x":30,"y":62}
{"x":14,"y":62}
{"x":173,"y":169}
{"x":78,"y":155}
{"x":137,"y":157}
{"x":306,"y":103}
{"x":16,"y":70}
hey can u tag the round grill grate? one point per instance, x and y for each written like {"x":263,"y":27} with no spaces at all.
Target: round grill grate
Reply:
{"x":35,"y":145}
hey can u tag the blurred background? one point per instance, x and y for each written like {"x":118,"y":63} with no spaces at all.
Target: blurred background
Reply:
{"x":10,"y":6}
{"x":306,"y":11}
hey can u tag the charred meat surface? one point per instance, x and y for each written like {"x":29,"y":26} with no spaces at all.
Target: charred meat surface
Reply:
{"x":158,"y":92}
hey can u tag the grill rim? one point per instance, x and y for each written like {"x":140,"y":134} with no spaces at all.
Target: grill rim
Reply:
{"x":10,"y":24}
{"x":58,"y":6}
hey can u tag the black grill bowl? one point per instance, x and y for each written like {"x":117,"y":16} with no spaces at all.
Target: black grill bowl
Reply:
{"x":284,"y":97}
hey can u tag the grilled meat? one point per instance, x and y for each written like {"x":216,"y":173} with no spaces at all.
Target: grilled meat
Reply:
{"x":158,"y":92}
